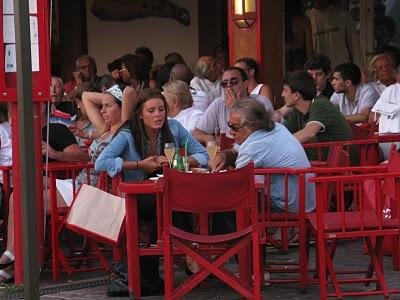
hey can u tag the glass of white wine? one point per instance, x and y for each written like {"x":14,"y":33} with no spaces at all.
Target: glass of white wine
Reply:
{"x":169,"y":151}
{"x":212,"y":149}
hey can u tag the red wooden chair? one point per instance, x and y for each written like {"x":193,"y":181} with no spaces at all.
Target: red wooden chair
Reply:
{"x":391,"y":245}
{"x":363,"y":223}
{"x":58,"y":217}
{"x":363,"y":131}
{"x":367,"y":150}
{"x":389,"y":191}
{"x":204,"y":194}
{"x":285,"y":220}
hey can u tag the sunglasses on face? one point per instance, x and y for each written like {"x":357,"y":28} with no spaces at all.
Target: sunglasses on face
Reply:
{"x":235,"y":127}
{"x":231,"y":81}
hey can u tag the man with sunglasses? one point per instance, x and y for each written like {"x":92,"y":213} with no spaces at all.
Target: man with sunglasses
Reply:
{"x":268,"y":145}
{"x":234,"y":83}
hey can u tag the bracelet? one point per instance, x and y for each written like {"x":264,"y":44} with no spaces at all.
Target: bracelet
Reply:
{"x":137,"y":165}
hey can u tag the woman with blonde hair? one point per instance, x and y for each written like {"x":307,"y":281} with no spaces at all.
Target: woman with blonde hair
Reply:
{"x":179,"y":98}
{"x":381,"y":68}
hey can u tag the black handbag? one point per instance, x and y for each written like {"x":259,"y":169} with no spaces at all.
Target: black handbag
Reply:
{"x":118,"y":286}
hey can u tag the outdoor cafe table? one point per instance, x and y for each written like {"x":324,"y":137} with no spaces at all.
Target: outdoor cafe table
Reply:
{"x":131,"y":190}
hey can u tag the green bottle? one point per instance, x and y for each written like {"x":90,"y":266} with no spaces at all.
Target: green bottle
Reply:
{"x":178,"y":161}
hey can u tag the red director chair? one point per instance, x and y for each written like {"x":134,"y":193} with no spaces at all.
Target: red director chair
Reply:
{"x":203,"y":194}
{"x":365,"y":223}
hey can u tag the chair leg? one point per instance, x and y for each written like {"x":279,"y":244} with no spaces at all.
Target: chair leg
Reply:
{"x":332,"y":274}
{"x":303,"y":258}
{"x":168,"y":269}
{"x":323,"y":285}
{"x":376,"y":260}
{"x":256,"y":268}
{"x":396,"y":253}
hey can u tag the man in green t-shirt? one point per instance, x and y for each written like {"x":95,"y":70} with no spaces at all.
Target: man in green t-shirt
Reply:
{"x":313,"y":119}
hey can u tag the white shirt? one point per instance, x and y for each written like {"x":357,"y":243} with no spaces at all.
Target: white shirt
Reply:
{"x":366,"y":96}
{"x":212,"y":89}
{"x":189,"y":118}
{"x":200,"y":99}
{"x":378,"y":86}
{"x":5,"y":146}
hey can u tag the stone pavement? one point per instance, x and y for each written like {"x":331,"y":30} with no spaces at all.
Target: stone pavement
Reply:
{"x":94,"y":288}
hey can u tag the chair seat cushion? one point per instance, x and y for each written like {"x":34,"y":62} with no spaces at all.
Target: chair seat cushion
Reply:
{"x":353,"y":221}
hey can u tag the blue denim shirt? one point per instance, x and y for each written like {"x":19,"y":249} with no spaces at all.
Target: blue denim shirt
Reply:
{"x":123,"y":148}
{"x":278,"y":149}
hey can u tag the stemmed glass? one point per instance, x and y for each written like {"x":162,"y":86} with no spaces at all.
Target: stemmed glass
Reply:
{"x":169,"y":151}
{"x":212,"y":149}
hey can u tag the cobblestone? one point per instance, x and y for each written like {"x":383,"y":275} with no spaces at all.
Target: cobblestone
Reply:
{"x":348,"y":255}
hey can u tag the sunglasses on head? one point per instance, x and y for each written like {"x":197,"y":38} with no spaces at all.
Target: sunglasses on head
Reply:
{"x":231,"y":81}
{"x":235,"y":127}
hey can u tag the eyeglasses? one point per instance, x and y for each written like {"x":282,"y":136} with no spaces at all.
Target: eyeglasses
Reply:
{"x":235,"y":127}
{"x":231,"y":81}
{"x":85,"y":67}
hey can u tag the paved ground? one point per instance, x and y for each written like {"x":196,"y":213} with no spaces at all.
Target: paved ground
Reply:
{"x":82,"y":286}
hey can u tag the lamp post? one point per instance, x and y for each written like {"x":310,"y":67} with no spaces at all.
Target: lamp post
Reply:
{"x":244,"y":13}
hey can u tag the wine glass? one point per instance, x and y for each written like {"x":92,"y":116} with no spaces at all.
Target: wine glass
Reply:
{"x":169,"y":151}
{"x":212,"y":149}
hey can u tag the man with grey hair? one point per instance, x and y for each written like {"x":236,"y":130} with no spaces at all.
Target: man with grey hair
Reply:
{"x":207,"y":77}
{"x":268,"y":145}
{"x":182,"y":72}
{"x":85,"y":70}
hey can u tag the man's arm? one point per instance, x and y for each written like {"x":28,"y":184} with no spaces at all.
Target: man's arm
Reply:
{"x":308,"y":132}
{"x":361,"y":117}
{"x":71,"y":153}
{"x":202,"y":136}
{"x":223,"y":160}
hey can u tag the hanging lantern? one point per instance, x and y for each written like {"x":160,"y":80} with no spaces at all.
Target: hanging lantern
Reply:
{"x":244,"y":13}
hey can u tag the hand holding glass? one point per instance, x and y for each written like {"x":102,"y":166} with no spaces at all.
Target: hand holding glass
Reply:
{"x":169,"y":151}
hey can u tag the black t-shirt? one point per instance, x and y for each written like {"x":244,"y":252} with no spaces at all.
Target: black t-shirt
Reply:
{"x":60,"y":137}
{"x":328,"y":91}
{"x":67,"y":107}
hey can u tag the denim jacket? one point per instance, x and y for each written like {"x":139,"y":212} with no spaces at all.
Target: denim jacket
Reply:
{"x":123,"y":148}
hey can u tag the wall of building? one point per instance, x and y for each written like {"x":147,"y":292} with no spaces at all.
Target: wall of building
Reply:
{"x":109,"y":40}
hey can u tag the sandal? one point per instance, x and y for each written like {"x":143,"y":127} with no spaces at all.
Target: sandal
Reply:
{"x":8,"y":278}
{"x":10,"y":262}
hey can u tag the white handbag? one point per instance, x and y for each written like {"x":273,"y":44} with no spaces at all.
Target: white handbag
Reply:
{"x":97,"y":214}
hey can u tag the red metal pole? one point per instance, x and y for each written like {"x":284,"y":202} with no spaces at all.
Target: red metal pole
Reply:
{"x":18,"y":265}
{"x":39,"y":179}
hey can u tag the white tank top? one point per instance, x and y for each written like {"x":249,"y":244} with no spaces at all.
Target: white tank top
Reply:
{"x":257,"y":89}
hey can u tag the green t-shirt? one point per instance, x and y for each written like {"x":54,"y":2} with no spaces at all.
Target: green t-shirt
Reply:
{"x":334,"y":126}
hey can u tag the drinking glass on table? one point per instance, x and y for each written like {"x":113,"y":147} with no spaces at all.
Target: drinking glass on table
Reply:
{"x":169,"y":151}
{"x":217,"y":135}
{"x":212,"y":149}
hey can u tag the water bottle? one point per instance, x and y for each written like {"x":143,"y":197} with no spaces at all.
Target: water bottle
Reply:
{"x":178,"y":161}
